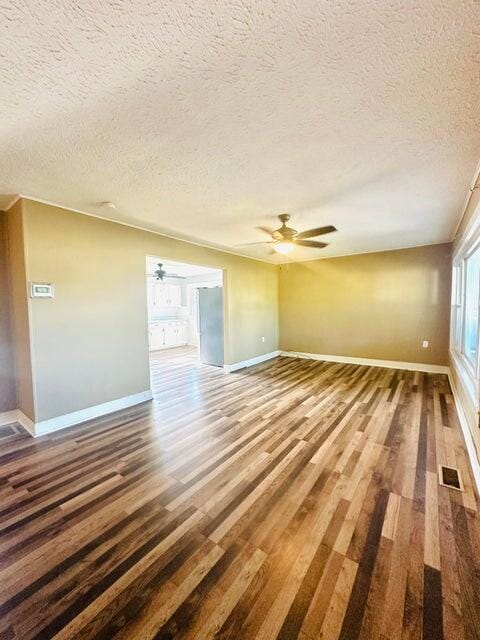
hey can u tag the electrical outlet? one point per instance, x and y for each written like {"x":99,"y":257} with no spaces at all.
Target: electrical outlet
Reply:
{"x":263,"y":338}
{"x":425,"y":344}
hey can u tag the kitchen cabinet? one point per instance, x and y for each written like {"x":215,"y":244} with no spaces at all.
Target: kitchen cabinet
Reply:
{"x":155,"y":336}
{"x":151,"y":294}
{"x":162,"y":295}
{"x":182,"y":329}
{"x":174,"y":295}
{"x":165,"y":334}
{"x":170,"y":334}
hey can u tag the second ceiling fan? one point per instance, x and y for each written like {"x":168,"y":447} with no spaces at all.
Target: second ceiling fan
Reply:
{"x":285,"y":239}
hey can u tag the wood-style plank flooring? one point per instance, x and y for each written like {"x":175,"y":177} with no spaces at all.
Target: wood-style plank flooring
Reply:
{"x":295,"y":499}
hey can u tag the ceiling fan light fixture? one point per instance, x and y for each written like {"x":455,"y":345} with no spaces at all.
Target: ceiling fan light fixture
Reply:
{"x":160,"y":273}
{"x":285,"y":239}
{"x":284,"y":247}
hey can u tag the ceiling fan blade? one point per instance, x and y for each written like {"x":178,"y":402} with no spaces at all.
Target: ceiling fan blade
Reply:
{"x":250,"y":244}
{"x":311,"y":243}
{"x":265,"y":230}
{"x":319,"y":231}
{"x":276,"y":234}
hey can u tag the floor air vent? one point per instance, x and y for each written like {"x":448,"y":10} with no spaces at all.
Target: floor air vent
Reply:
{"x":450,"y":478}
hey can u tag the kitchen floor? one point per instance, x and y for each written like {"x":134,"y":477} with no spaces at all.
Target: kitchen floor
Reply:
{"x":175,"y":355}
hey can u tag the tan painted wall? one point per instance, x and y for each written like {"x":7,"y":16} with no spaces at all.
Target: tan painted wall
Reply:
{"x":20,"y":310}
{"x":8,"y":394}
{"x":90,"y":341}
{"x":375,"y":305}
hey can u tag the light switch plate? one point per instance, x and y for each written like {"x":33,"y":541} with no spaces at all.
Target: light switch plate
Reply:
{"x":41,"y":290}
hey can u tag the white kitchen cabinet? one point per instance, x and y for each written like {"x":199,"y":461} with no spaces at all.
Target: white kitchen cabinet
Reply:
{"x":162,"y":295}
{"x":183,"y":332}
{"x":151,"y":290}
{"x":170,"y":334}
{"x":165,"y":334}
{"x":174,"y":295}
{"x":156,"y":336}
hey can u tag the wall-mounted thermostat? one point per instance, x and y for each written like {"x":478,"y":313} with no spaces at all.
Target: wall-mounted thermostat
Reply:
{"x":41,"y":290}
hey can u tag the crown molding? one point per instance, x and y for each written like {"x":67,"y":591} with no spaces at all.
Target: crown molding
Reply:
{"x":8,"y":206}
{"x":473,"y":185}
{"x":213,"y":247}
{"x":364,"y":253}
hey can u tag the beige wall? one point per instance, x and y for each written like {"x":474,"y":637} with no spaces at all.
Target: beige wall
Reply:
{"x":8,"y":396}
{"x":20,"y":312}
{"x":375,"y":305}
{"x":89,"y":342}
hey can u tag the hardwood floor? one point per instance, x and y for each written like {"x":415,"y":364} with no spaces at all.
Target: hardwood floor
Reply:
{"x":296,"y":499}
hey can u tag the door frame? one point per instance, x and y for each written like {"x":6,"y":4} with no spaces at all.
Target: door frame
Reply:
{"x":224,"y":280}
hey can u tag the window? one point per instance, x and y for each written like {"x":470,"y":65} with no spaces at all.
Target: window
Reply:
{"x":465,"y":317}
{"x":456,"y":324}
{"x":471,"y":302}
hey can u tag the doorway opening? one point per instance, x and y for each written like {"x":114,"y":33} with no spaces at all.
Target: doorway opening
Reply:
{"x":185,"y":313}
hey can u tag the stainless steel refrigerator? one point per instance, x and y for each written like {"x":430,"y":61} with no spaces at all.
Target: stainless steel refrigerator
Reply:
{"x":210,"y":325}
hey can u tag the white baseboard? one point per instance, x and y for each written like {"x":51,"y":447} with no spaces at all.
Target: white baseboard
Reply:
{"x":249,"y":363}
{"x":76,"y":417}
{"x":17,"y":416}
{"x":26,"y":423}
{"x":467,"y":435}
{"x":388,"y":364}
{"x":8,"y":416}
{"x":411,"y":366}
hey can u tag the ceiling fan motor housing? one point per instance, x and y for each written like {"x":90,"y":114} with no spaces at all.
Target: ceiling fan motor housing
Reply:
{"x":288,"y":236}
{"x":285,"y":233}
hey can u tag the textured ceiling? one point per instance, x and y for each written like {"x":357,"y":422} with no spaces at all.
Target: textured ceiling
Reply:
{"x":205,"y":119}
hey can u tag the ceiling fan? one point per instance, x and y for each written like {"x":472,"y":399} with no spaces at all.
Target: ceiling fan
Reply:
{"x":160,"y":273}
{"x":285,"y":239}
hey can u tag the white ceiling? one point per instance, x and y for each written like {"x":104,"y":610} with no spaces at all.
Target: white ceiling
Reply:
{"x":205,"y":119}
